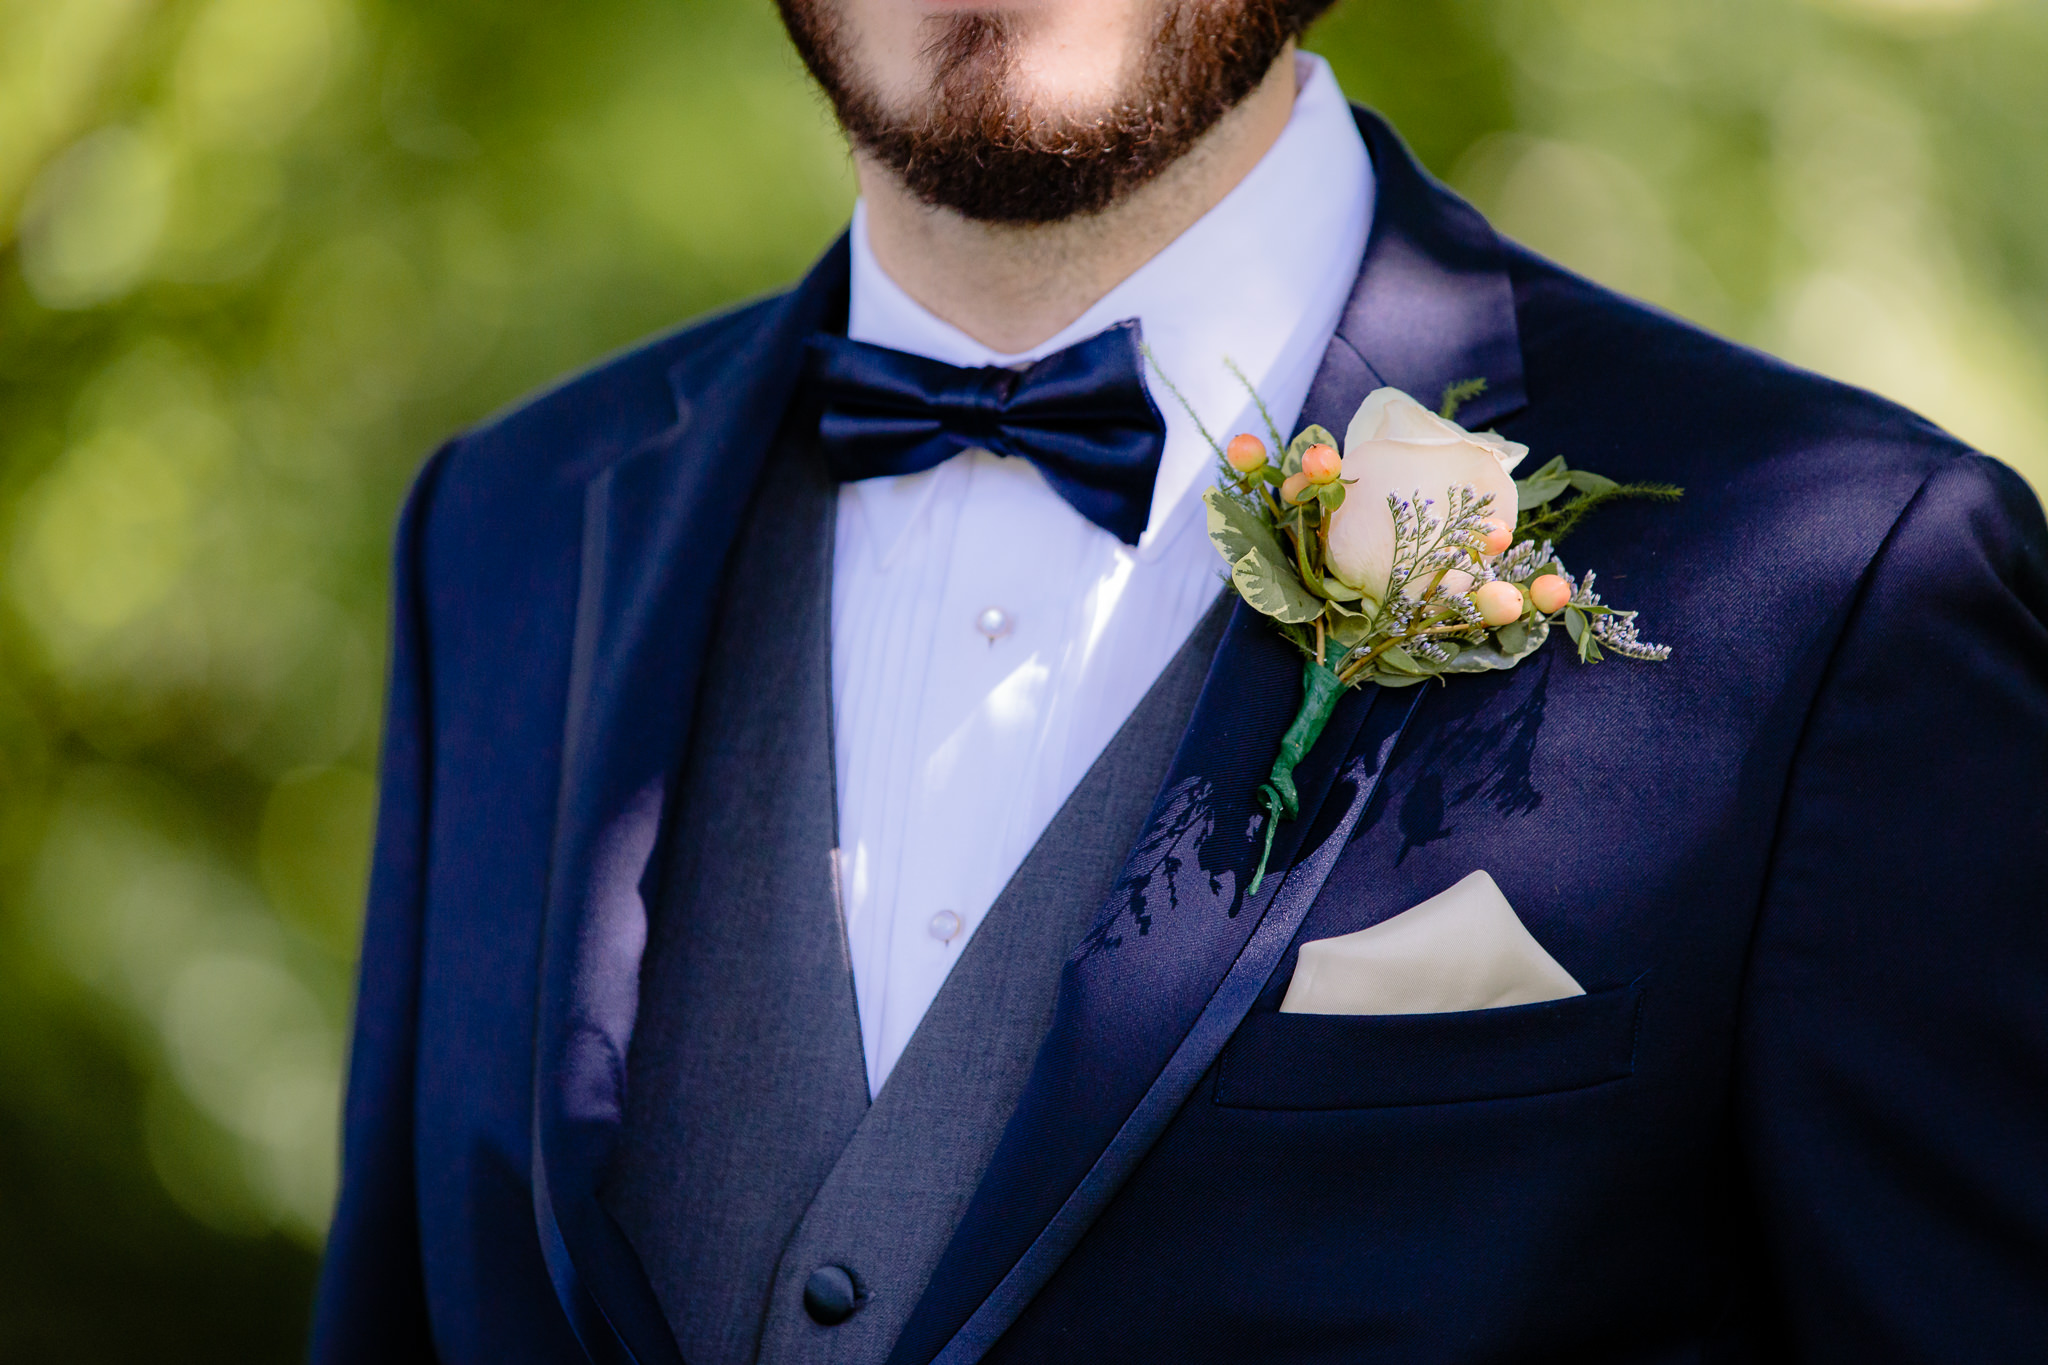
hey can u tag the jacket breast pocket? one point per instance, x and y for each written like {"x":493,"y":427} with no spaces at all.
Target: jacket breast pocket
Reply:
{"x":1345,"y":1061}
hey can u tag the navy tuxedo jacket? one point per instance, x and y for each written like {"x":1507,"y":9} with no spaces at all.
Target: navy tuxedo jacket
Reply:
{"x":1802,"y":1112}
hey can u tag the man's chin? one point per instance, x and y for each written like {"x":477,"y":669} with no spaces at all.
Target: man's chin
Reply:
{"x":984,"y":148}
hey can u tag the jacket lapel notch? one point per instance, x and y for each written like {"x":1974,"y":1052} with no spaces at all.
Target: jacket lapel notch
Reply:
{"x":658,"y":526}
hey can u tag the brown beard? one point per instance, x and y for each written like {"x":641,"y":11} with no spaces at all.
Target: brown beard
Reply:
{"x":977,"y":148}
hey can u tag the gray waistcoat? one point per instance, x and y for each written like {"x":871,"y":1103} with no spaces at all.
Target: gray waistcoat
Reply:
{"x":751,"y":1155}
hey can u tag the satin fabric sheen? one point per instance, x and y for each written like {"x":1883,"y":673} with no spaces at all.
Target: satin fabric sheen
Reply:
{"x":1082,"y":416}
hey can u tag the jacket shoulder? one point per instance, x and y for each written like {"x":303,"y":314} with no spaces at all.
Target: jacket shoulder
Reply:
{"x":501,"y":504}
{"x":562,"y":434}
{"x":1803,"y":495}
{"x":1722,"y":407}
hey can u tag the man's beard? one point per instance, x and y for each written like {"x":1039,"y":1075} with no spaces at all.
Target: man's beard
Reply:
{"x":974,"y":145}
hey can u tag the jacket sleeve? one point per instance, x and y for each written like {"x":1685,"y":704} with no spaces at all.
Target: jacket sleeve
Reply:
{"x":372,"y":1296}
{"x":1893,"y":1063}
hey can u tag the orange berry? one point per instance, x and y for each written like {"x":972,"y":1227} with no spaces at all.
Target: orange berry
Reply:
{"x":1294,"y":488}
{"x":1498,"y":537}
{"x":1499,"y":603}
{"x":1550,"y":593}
{"x":1322,"y":464}
{"x":1246,"y":453}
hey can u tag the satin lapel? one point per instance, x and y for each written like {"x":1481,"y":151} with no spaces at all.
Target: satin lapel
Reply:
{"x":1179,"y":954}
{"x":657,"y":527}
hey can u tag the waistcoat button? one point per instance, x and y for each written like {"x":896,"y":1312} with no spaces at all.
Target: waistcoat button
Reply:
{"x":830,"y":1296}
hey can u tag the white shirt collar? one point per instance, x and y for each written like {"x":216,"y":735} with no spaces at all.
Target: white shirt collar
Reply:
{"x":1260,"y":279}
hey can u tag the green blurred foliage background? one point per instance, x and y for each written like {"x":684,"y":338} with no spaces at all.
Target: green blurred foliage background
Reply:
{"x":258,"y":256}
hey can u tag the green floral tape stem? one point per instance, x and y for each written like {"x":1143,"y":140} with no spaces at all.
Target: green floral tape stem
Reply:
{"x":1320,"y":688}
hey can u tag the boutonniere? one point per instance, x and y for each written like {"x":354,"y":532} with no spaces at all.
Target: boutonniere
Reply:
{"x":1412,"y":555}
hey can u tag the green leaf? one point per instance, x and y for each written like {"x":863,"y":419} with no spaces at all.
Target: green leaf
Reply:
{"x":1337,"y":590}
{"x":1349,"y":630}
{"x":1258,"y":565}
{"x":1545,"y":484}
{"x":1580,"y":629}
{"x":1401,"y":661}
{"x":1493,"y":653}
{"x":1457,"y":395}
{"x":1270,"y":587}
{"x":1236,"y":530}
{"x":1290,"y":460}
{"x":1332,"y":495}
{"x":1555,"y":523}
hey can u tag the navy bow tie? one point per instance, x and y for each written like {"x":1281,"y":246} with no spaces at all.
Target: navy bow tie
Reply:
{"x":1082,"y":415}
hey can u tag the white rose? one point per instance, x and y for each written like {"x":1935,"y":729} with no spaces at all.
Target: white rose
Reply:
{"x":1395,"y":445}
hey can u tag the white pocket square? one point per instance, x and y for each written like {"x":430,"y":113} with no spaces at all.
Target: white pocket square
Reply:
{"x":1462,"y":949}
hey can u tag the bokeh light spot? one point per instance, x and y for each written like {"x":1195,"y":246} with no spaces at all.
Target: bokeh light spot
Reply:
{"x":250,"y":69}
{"x":92,"y":219}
